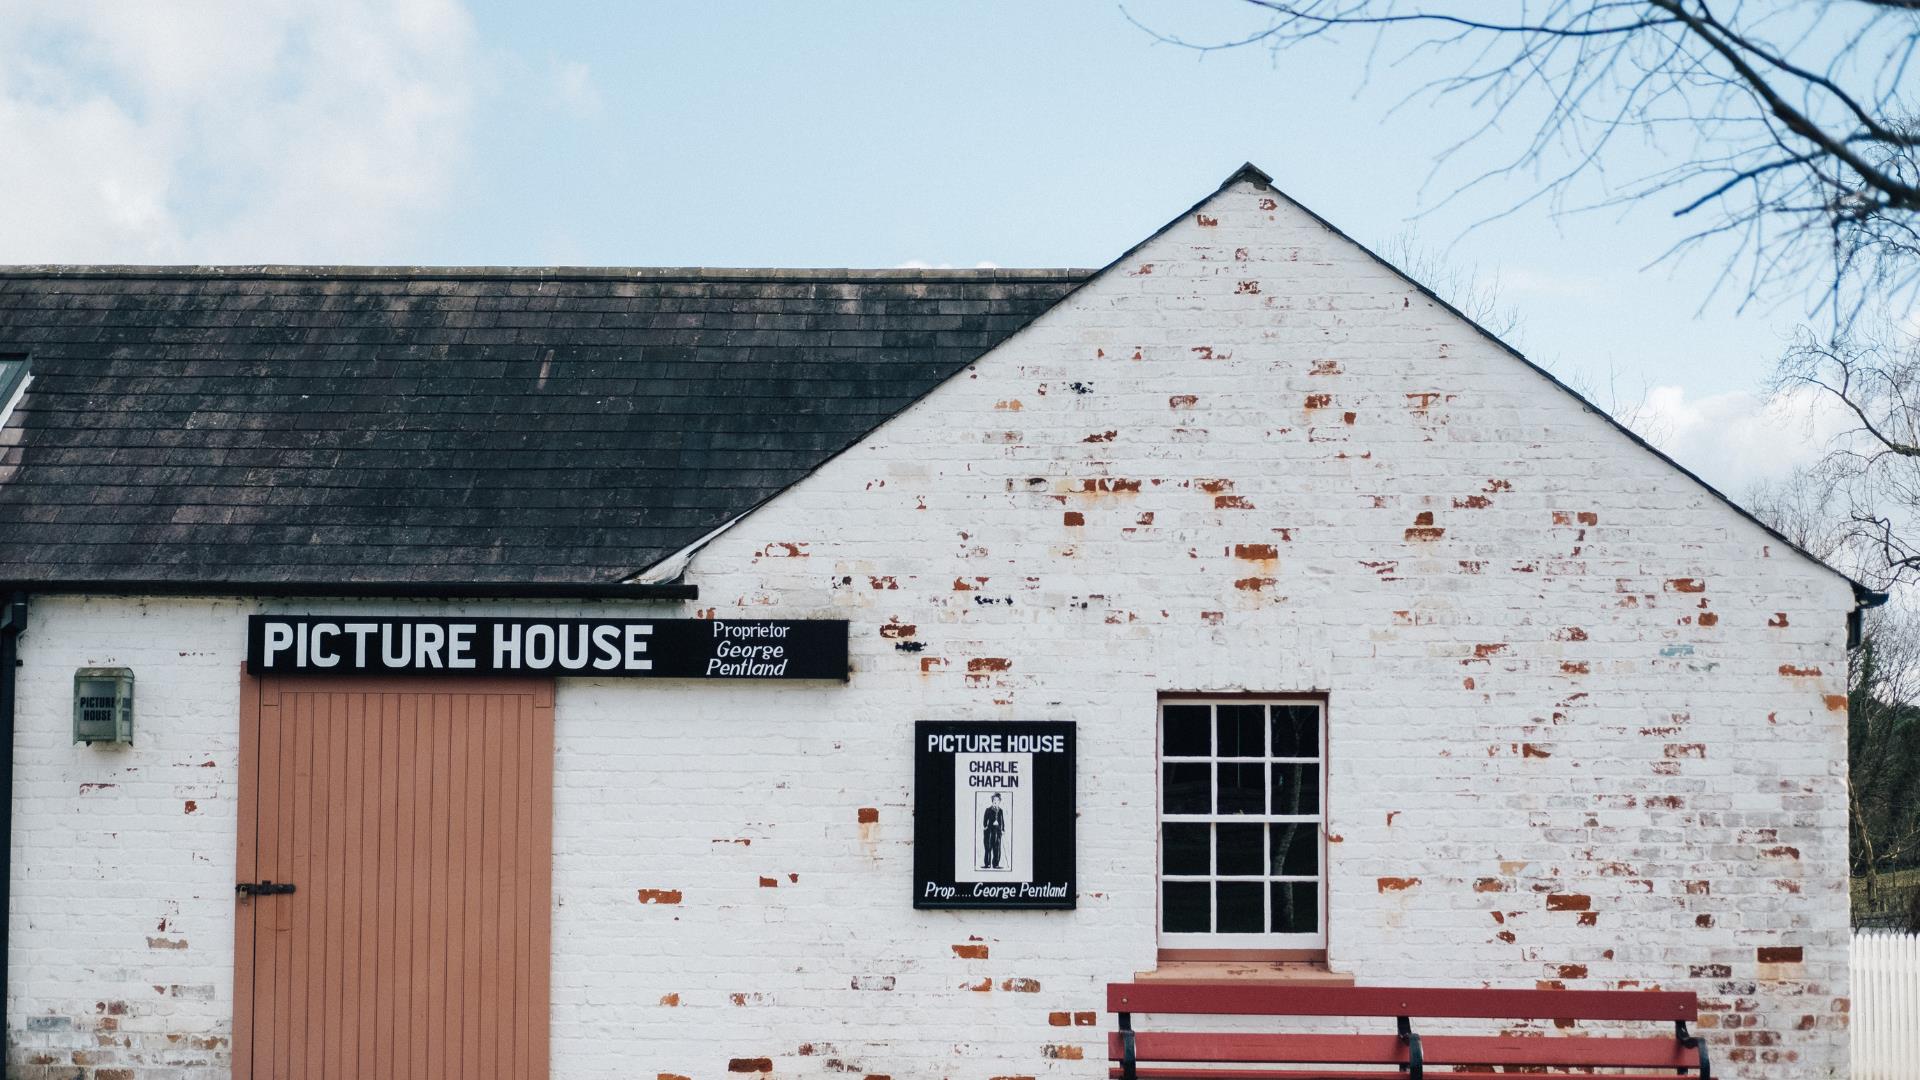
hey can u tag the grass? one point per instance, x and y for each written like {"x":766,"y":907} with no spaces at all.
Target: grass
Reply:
{"x":1893,"y":896}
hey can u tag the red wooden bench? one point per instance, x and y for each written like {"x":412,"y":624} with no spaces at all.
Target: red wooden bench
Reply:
{"x":1189,"y":1055}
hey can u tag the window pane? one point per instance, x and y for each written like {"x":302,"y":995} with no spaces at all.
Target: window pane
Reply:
{"x":1185,"y":731}
{"x":1239,"y":911}
{"x":1296,"y":849}
{"x":1186,"y":789}
{"x":1183,"y":849}
{"x":1183,"y":907}
{"x":1240,"y":787}
{"x":1240,"y":849}
{"x":1242,"y":731}
{"x":1296,"y":789}
{"x":1296,"y":731}
{"x":1296,"y":907}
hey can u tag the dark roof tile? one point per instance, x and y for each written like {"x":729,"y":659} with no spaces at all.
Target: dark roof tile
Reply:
{"x":289,"y":424}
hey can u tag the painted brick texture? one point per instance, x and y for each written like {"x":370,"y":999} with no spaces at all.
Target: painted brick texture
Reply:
{"x":1581,"y":713}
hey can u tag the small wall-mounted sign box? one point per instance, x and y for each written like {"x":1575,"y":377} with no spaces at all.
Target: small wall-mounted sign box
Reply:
{"x":103,"y":706}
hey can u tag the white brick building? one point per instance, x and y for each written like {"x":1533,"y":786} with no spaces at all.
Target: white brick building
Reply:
{"x":1577,"y":720}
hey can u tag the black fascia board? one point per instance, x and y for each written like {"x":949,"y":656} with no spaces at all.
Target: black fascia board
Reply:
{"x":436,"y":590}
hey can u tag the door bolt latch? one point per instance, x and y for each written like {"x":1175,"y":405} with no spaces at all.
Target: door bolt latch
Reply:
{"x":263,"y":888}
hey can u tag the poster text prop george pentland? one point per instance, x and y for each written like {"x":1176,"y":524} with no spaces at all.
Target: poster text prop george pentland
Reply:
{"x":993,"y":814}
{"x":590,"y":648}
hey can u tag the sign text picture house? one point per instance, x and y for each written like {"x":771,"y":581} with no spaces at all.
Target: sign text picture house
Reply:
{"x":697,"y":673}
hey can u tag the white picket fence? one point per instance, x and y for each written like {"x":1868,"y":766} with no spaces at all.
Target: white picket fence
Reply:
{"x":1886,"y":1005}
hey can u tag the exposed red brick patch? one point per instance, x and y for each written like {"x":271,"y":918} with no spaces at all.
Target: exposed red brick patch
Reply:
{"x":869,"y":815}
{"x":898,"y":629}
{"x":1710,"y":971}
{"x":1250,"y":288}
{"x":1231,"y":502}
{"x":1255,"y":552}
{"x":1100,"y":437}
{"x":1472,"y":502}
{"x":1349,"y":417}
{"x":1780,"y":954}
{"x":659,"y":896}
{"x":1183,"y":401}
{"x":1060,"y":1019}
{"x":1073,"y":517}
{"x":1488,"y":884}
{"x":669,"y":1076}
{"x":1698,"y":888}
{"x":747,"y":1065}
{"x":1685,"y":750}
{"x":191,"y":806}
{"x":1587,"y":517}
{"x":963,"y":585}
{"x":1254,"y":584}
{"x":1085,"y":1019}
{"x":1319,"y":401}
{"x":1021,"y":986}
{"x":1575,"y":667}
{"x":970,"y":952}
{"x":1686,"y":585}
{"x":988,"y":663}
{"x":1325,"y":367}
{"x":980,"y":987}
{"x":1214,"y":485}
{"x":1213,"y":618}
{"x":1205,"y":221}
{"x":783,"y":550}
{"x":1573,"y":971}
{"x":1424,"y":517}
{"x":1107,"y":485}
{"x":1836,"y":702}
{"x":1784,"y":851}
{"x":670,"y":1000}
{"x":1396,"y":884}
{"x":1708,"y":618}
{"x":1418,"y":533}
{"x":1568,"y":902}
{"x":1589,"y":918}
{"x":1009,"y":405}
{"x":1569,"y":633}
{"x":1529,"y":750}
{"x":769,"y":883}
{"x":929,"y":663}
{"x":1063,"y":1053}
{"x":1800,"y":672}
{"x":1143,"y":270}
{"x":1778,"y":621}
{"x":1490,"y":649}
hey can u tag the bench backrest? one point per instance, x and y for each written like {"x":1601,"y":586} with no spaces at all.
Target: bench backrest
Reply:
{"x":1271,"y":1000}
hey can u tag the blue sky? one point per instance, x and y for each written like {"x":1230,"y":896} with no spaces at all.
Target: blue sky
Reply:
{"x":843,"y":134}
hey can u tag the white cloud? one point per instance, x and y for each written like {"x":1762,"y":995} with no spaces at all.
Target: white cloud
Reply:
{"x":1736,"y":439}
{"x":573,"y":84}
{"x":228,"y":130}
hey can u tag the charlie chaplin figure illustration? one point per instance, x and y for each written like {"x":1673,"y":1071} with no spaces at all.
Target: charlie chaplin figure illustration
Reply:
{"x":993,"y":824}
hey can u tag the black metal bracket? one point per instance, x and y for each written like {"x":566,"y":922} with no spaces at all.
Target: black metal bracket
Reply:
{"x":1416,"y":1067}
{"x":263,"y":888}
{"x":1129,"y":1069}
{"x":1694,"y":1042}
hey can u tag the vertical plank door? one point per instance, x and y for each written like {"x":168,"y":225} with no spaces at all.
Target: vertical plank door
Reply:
{"x":413,"y":818}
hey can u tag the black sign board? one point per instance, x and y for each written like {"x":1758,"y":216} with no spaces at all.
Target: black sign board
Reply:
{"x":993,"y":814}
{"x":591,"y":648}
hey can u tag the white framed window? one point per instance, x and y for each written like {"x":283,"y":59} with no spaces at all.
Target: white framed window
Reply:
{"x":1243,"y":823}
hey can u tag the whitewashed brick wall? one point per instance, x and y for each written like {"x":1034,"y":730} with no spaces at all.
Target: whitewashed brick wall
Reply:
{"x":1586,"y":721}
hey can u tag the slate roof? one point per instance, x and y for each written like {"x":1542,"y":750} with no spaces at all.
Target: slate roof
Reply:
{"x":269,"y":425}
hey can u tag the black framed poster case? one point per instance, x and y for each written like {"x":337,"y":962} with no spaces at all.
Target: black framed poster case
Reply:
{"x":960,"y":765}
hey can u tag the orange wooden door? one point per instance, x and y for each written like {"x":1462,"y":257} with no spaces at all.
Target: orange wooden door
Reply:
{"x":414,"y":820}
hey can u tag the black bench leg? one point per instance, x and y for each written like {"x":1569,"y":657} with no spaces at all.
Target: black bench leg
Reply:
{"x":1415,"y":1068}
{"x":1128,"y":1068}
{"x":1694,"y":1042}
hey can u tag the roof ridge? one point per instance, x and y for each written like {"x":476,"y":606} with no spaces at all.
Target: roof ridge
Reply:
{"x":543,"y":273}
